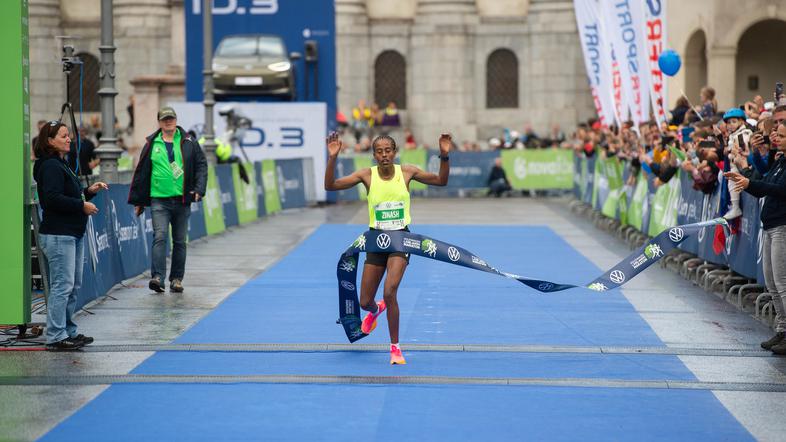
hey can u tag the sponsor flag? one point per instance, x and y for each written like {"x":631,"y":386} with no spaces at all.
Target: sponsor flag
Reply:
{"x":596,"y":58}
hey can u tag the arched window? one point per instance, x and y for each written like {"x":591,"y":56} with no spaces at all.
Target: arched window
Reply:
{"x":502,"y":79}
{"x":390,"y":79}
{"x":90,"y":84}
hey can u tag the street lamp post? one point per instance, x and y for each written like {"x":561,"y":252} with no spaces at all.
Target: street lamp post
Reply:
{"x":207,"y":72}
{"x":107,"y":151}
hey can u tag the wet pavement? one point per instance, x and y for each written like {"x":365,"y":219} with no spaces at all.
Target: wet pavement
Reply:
{"x":681,"y":314}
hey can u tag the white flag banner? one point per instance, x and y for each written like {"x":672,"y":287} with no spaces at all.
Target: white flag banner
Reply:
{"x":621,"y":30}
{"x":596,"y":58}
{"x":655,"y":37}
{"x":639,"y":22}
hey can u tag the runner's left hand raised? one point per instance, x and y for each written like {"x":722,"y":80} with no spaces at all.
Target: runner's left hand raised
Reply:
{"x":445,"y":143}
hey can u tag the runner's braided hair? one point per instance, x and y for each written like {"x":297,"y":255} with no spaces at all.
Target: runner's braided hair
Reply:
{"x":383,"y":137}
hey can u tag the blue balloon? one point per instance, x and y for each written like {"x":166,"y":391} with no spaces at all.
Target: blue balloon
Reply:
{"x":669,"y":62}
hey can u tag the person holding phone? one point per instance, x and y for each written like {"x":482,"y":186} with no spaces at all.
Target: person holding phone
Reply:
{"x":66,"y":206}
{"x":771,"y":187}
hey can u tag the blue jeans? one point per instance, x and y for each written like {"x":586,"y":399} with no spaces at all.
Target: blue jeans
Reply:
{"x":774,"y":266}
{"x":168,"y":211}
{"x":65,"y":257}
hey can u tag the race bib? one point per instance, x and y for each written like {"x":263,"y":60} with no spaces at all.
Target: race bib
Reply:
{"x":389,"y":216}
{"x":177,"y":171}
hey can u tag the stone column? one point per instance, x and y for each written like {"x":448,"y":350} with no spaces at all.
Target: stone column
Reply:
{"x":442,"y":70}
{"x":177,"y":58}
{"x":143,"y":36}
{"x":47,"y":81}
{"x":352,"y":53}
{"x":722,"y":74}
{"x":108,"y":151}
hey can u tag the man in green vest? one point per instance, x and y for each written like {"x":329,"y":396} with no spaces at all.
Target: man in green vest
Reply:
{"x":171,"y":174}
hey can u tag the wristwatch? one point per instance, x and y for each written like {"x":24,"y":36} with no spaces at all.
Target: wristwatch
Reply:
{"x":444,"y":157}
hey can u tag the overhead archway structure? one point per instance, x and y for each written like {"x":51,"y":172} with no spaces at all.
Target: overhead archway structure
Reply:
{"x":695,"y":64}
{"x":759,"y":64}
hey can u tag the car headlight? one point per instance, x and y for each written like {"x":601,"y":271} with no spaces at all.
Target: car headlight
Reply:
{"x":281,"y":66}
{"x":217,"y":67}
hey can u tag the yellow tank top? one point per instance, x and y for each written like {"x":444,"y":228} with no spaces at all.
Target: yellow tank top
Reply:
{"x":388,"y":201}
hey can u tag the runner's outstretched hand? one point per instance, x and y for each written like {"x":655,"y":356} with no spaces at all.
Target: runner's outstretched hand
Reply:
{"x":445,"y":143}
{"x":334,"y":144}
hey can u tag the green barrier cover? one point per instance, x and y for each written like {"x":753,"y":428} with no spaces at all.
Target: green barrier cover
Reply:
{"x":245,"y":194}
{"x":416,"y":157}
{"x":612,"y":170}
{"x":583,"y":188}
{"x":14,"y":177}
{"x":636,"y":208}
{"x":214,"y":210}
{"x":597,"y":176}
{"x":362,"y":162}
{"x":125,"y":163}
{"x":539,"y":169}
{"x":270,"y":184}
{"x":663,"y":213}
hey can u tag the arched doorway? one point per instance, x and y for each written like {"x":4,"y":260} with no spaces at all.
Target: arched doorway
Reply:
{"x":759,"y":60}
{"x":695,"y":65}
{"x":390,"y":79}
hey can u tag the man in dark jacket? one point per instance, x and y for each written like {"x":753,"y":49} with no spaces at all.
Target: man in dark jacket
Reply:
{"x":171,"y":174}
{"x":498,"y":181}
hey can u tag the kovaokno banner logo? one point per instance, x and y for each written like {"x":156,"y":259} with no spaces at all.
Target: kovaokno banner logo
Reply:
{"x":376,"y":241}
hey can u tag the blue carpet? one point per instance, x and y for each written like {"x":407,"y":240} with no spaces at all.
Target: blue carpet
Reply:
{"x":295,"y":301}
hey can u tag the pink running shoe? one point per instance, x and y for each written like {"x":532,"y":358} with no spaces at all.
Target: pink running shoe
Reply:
{"x":370,"y":321}
{"x":396,"y":358}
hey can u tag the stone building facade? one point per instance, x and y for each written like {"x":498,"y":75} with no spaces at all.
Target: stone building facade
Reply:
{"x":471,"y":67}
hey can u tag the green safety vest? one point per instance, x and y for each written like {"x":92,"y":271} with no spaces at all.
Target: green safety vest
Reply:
{"x":163,"y":182}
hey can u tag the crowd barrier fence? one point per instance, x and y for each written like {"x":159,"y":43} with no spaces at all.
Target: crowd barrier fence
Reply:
{"x":605,"y":184}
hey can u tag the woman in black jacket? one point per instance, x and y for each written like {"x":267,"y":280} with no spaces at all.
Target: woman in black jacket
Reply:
{"x":65,"y":205}
{"x":772,"y":187}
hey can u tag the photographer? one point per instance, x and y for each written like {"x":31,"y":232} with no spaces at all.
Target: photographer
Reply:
{"x":772,"y":187}
{"x":65,"y":206}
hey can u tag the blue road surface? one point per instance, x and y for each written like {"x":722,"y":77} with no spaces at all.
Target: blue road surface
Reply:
{"x":296,"y":302}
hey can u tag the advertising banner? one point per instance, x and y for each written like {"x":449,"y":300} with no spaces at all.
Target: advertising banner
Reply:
{"x":663,"y":214}
{"x":468,"y":170}
{"x":538,"y":169}
{"x":613,"y":173}
{"x":415,"y":157}
{"x":245,"y":194}
{"x":228,"y":199}
{"x":212,"y":205}
{"x":689,"y":210}
{"x":588,"y":169}
{"x":261,"y":210}
{"x":298,"y":23}
{"x":290,"y":183}
{"x":622,"y":32}
{"x":15,"y":177}
{"x":655,"y":34}
{"x":132,"y":235}
{"x":270,"y":185}
{"x":346,"y":166}
{"x":597,"y":59}
{"x":278,"y":131}
{"x":362,"y":162}
{"x":196,"y":222}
